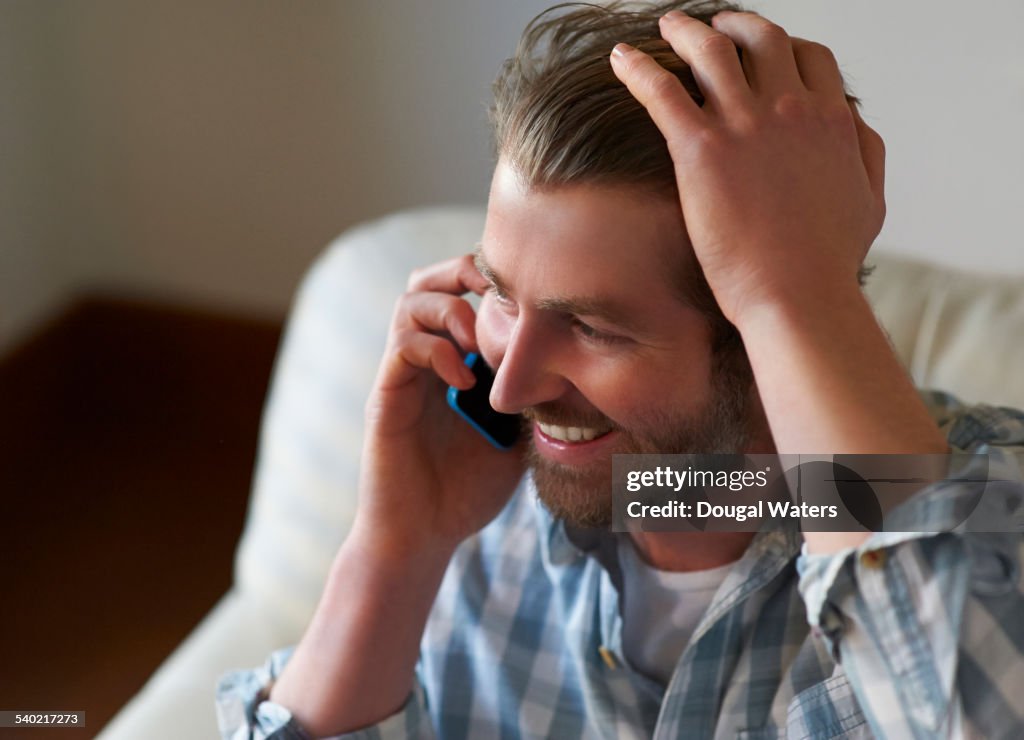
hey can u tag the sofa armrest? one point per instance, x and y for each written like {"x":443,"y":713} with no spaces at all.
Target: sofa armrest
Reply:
{"x":177,"y":701}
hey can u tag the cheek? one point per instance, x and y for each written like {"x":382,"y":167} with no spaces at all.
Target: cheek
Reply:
{"x":493,"y":329}
{"x":633,"y":390}
{"x":616,"y":389}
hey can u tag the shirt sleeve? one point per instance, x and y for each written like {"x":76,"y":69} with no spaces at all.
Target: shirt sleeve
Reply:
{"x":245,"y":713}
{"x":910,"y":614}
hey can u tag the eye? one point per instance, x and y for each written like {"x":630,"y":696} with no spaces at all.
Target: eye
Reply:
{"x":591,"y":334}
{"x":500,"y":297}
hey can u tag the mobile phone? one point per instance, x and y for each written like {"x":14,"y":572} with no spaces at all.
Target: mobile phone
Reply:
{"x":474,"y":405}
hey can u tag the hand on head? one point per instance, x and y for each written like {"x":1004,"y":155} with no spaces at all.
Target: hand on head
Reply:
{"x":780,"y":180}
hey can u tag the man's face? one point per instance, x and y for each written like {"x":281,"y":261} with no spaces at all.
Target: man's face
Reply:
{"x":590,"y":341}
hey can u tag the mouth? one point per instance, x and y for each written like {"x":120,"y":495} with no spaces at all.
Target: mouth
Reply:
{"x":575,"y":446}
{"x":572,"y":435}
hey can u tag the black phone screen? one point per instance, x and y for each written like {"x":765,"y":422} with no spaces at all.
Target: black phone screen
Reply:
{"x":474,"y":403}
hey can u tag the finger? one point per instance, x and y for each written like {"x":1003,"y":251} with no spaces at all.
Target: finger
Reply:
{"x":768,"y":59}
{"x":712,"y":58}
{"x":818,"y":69}
{"x":656,"y":89}
{"x":456,"y":276}
{"x":413,"y":352}
{"x":438,"y":312}
{"x":872,"y":153}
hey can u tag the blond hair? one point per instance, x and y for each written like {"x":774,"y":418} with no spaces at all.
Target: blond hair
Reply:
{"x":561,"y":116}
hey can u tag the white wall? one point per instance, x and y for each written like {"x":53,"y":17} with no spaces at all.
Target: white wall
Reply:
{"x":205,"y":151}
{"x":33,"y":196}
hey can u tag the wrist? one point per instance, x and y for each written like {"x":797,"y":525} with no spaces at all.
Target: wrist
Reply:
{"x":809,"y":304}
{"x":829,"y":379}
{"x":356,"y":662}
{"x":391,"y":552}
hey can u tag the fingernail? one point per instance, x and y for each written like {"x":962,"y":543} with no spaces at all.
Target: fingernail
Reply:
{"x":621,"y":50}
{"x":674,"y":15}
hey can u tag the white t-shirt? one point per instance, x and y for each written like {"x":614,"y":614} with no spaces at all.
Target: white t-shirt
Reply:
{"x":661,"y":609}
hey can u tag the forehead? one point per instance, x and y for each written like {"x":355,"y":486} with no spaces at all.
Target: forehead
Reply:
{"x":583,"y":239}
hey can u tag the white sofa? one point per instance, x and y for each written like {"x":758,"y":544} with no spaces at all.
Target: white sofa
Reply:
{"x":959,"y":332}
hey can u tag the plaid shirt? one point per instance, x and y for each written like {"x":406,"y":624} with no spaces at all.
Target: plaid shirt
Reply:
{"x":911,"y":635}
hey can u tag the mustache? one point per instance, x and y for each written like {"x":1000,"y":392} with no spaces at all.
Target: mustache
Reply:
{"x":560,"y":415}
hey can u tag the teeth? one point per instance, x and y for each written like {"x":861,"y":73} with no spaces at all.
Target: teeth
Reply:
{"x":570,"y":434}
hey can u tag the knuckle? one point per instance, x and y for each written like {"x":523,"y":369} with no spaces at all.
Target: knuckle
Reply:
{"x":401,"y":309}
{"x":792,"y":106}
{"x":819,"y":51}
{"x":718,"y":143}
{"x":770,"y":32}
{"x":838,"y":116}
{"x":401,"y":338}
{"x":415,"y":279}
{"x":746,"y":122}
{"x":838,"y":121}
{"x":715,"y":45}
{"x":879,"y":142}
{"x":663,"y":84}
{"x":448,"y":314}
{"x":704,"y":144}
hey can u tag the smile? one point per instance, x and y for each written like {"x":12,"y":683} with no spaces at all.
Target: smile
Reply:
{"x":572,"y":434}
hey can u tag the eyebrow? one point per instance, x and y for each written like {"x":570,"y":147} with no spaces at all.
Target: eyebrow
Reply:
{"x":485,"y":269}
{"x":589,"y":306}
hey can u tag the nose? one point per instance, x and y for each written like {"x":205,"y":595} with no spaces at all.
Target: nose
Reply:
{"x":530,"y":371}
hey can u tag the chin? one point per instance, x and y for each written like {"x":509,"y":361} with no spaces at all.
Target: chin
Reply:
{"x":581,"y":498}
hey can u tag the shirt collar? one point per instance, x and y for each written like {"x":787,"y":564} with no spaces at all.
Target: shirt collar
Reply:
{"x":563,"y":544}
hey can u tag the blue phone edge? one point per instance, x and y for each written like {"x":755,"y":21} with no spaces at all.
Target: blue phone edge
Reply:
{"x":453,"y":402}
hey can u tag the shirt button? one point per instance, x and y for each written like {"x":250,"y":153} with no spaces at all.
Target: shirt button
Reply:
{"x":608,"y":657}
{"x":873,"y":559}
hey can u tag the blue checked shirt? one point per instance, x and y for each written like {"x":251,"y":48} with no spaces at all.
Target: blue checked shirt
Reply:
{"x":911,"y":635}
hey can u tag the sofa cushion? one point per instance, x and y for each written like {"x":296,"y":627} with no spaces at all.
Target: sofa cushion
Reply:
{"x":954,"y":330}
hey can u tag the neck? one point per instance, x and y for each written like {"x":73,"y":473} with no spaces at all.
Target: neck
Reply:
{"x":690,"y":551}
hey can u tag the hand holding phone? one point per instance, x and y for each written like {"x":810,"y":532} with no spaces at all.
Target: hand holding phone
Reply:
{"x":427,"y":479}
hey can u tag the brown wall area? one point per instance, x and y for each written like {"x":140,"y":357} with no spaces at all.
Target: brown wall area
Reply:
{"x":127,"y":441}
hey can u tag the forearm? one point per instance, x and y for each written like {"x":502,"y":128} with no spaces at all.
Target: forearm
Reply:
{"x":355,"y":664}
{"x":830,"y":383}
{"x":427,"y":482}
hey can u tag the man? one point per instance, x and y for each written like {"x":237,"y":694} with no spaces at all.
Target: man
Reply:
{"x":641,"y":298}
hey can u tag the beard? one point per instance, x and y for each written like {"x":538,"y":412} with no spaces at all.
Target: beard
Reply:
{"x":582,"y":496}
